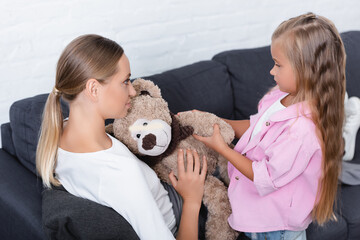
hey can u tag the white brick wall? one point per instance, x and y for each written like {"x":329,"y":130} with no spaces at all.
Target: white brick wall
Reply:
{"x":157,"y":35}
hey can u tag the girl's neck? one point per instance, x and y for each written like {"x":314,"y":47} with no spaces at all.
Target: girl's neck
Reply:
{"x":288,"y":100}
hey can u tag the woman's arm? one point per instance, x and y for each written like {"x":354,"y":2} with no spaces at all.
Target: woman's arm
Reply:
{"x":239,"y":126}
{"x":190,"y":185}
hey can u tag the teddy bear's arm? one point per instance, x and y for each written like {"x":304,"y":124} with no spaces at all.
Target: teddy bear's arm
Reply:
{"x":203,"y":123}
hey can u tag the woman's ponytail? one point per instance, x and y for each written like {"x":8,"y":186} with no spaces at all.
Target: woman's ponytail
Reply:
{"x":51,"y":128}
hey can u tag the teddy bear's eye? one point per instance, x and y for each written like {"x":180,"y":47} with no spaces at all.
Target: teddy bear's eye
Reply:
{"x":145,"y":124}
{"x":138,"y":135}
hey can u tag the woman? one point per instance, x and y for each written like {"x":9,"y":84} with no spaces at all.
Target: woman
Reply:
{"x":93,"y":76}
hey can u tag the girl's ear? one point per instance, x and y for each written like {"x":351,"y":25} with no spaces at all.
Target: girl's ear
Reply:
{"x":92,"y":89}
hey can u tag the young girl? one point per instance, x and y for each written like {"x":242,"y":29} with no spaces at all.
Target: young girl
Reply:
{"x":284,"y":169}
{"x":93,"y":76}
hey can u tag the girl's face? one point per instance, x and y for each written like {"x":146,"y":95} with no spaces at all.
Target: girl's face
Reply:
{"x":283,"y":72}
{"x":116,"y":93}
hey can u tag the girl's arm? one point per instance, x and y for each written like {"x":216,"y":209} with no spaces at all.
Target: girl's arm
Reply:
{"x":216,"y":142}
{"x":239,"y":126}
{"x":190,"y":185}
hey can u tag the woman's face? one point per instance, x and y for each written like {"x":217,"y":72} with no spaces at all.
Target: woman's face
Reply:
{"x":115,"y":95}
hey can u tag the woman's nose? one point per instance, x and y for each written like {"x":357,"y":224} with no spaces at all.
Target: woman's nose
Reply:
{"x":132,"y":91}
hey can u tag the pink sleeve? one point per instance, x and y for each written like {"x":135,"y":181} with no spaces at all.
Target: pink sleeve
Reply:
{"x":284,"y":160}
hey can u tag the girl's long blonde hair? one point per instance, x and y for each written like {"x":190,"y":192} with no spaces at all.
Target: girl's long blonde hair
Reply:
{"x":86,"y":57}
{"x":316,"y":52}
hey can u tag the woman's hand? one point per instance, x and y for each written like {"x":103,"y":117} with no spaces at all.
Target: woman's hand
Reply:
{"x":190,"y":182}
{"x":215,"y":142}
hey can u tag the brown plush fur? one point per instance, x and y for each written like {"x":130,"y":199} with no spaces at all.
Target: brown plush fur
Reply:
{"x":148,"y":104}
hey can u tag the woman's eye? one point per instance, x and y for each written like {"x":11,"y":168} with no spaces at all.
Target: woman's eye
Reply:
{"x":127,"y":81}
{"x":278,"y":65}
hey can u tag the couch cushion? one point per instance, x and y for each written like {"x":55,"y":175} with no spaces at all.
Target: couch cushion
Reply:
{"x":350,"y":199}
{"x":25,"y":122}
{"x":250,"y":77}
{"x":333,"y":230}
{"x":20,"y":201}
{"x":203,"y":85}
{"x":65,"y":216}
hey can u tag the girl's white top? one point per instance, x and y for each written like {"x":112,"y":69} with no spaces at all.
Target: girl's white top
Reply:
{"x":275,"y":107}
{"x":116,"y":178}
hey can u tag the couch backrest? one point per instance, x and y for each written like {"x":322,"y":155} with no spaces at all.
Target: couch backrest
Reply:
{"x":203,"y":85}
{"x":249,"y":71}
{"x":351,"y":41}
{"x":230,"y":86}
{"x":25,"y":122}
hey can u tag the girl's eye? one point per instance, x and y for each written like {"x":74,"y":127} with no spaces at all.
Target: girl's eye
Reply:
{"x":277,"y":65}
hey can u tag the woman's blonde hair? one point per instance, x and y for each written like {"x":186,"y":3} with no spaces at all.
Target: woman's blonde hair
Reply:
{"x":316,"y":52}
{"x":86,"y":57}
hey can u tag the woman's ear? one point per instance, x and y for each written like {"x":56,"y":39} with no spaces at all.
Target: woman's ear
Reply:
{"x":92,"y":89}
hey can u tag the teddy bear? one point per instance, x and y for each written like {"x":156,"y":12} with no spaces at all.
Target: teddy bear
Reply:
{"x":155,"y":134}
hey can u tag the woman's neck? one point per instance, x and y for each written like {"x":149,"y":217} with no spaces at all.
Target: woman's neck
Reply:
{"x":84,"y":132}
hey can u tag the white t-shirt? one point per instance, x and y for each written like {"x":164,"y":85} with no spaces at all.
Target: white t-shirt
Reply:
{"x":116,"y":178}
{"x":275,"y":107}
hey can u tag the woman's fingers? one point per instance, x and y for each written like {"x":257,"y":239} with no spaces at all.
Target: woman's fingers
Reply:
{"x":189,"y":161}
{"x":196,"y":162}
{"x":173,"y":179}
{"x":204,"y":168}
{"x":181,"y":167}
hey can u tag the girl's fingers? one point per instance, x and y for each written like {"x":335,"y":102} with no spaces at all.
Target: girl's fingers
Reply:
{"x":196,"y":162}
{"x":181,"y":167}
{"x":216,"y":128}
{"x":189,"y":161}
{"x":199,"y":138}
{"x":204,"y":168}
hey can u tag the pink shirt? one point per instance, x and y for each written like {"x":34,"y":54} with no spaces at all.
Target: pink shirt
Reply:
{"x":286,"y":157}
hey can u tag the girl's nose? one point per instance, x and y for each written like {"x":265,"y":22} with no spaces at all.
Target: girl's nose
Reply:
{"x":272,"y":71}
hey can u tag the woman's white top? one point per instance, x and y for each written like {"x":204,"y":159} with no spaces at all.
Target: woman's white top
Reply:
{"x":116,"y":178}
{"x":275,"y":107}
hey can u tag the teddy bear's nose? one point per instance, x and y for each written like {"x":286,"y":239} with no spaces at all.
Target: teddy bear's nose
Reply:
{"x":149,"y":141}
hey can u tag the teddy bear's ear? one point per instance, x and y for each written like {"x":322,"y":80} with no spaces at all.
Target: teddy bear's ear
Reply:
{"x":146,"y":87}
{"x":109,"y":128}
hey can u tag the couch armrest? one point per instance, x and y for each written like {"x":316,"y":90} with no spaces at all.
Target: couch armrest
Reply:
{"x":20,"y":200}
{"x":6,"y":140}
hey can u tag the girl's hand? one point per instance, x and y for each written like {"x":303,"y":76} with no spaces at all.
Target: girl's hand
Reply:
{"x":215,"y":142}
{"x":190,"y":182}
{"x":194,"y":110}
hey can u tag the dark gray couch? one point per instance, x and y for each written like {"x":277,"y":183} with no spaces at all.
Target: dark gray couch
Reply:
{"x":230,"y":85}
